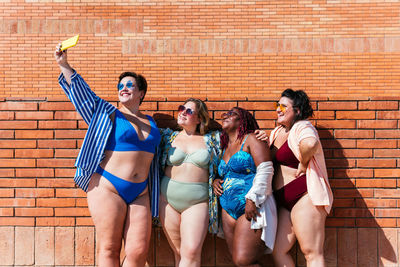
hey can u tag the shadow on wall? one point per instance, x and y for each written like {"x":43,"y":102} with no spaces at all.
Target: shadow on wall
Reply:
{"x":353,"y":235}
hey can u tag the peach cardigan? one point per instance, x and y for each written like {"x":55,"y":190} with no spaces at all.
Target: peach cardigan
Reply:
{"x":318,"y":186}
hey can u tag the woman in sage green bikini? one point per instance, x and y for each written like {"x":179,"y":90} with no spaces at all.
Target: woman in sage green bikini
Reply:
{"x":188,"y":160}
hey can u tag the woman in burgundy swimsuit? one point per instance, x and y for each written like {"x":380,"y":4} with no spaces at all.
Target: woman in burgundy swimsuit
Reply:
{"x":300,"y":183}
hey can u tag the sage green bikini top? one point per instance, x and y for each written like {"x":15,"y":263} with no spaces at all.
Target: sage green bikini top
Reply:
{"x":199,"y":158}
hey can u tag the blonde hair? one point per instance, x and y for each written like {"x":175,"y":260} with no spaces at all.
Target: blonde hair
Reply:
{"x":202,"y":112}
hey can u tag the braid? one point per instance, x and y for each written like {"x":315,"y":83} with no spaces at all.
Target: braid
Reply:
{"x":248,"y":124}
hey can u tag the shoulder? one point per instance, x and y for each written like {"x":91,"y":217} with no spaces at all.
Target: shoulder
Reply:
{"x":253,"y":141}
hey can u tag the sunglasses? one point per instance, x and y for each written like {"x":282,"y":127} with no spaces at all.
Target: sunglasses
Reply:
{"x":281,"y":107}
{"x":189,"y":111}
{"x":230,"y":113}
{"x":128,"y":85}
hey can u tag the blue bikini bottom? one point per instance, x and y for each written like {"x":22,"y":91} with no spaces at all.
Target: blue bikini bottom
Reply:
{"x":128,"y":191}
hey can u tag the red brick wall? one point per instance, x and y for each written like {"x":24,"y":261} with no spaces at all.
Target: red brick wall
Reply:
{"x":344,"y":53}
{"x":40,"y":208}
{"x":207,"y":48}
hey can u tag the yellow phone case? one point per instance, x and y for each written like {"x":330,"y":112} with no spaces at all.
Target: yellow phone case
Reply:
{"x":69,"y":42}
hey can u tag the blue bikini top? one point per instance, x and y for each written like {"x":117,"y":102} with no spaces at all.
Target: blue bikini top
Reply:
{"x":240,"y":164}
{"x":123,"y":136}
{"x":200,"y":158}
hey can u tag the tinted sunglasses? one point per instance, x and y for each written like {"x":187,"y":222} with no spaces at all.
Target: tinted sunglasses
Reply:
{"x":281,"y":107}
{"x":189,"y":111}
{"x":128,"y":85}
{"x":230,"y":113}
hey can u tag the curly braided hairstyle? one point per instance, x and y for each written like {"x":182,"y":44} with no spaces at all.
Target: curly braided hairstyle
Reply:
{"x":248,"y":124}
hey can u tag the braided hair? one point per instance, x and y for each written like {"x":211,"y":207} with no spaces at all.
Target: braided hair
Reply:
{"x":248,"y":124}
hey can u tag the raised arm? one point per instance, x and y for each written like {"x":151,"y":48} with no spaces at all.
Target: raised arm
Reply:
{"x":62,"y":61}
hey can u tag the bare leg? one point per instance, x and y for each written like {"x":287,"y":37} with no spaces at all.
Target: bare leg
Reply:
{"x":137,"y":231}
{"x":228,"y":225}
{"x":285,"y":239}
{"x":194,"y":225}
{"x":247,"y":244}
{"x":309,"y":226}
{"x":108,"y":211}
{"x":171,"y":221}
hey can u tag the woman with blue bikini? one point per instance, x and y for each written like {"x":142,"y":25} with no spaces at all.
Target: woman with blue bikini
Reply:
{"x":249,"y":218}
{"x":113,"y":163}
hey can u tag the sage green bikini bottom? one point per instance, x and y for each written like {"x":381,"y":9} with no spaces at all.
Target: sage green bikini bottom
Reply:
{"x":181,"y":195}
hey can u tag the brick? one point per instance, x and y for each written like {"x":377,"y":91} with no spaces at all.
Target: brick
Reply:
{"x":7,"y":173}
{"x":58,"y":124}
{"x":64,"y":246}
{"x":36,"y":192}
{"x":357,"y":134}
{"x":383,"y":173}
{"x":330,"y":247}
{"x":387,"y":134}
{"x":41,"y":163}
{"x":70,"y":134}
{"x":52,"y":106}
{"x":7,"y":245}
{"x":353,"y":153}
{"x":34,"y":153}
{"x":55,"y":183}
{"x":76,"y":192}
{"x":44,"y":239}
{"x":55,"y":202}
{"x":17,"y":221}
{"x":17,"y":106}
{"x":6,"y":153}
{"x":387,"y":153}
{"x":17,"y":144}
{"x":36,"y":115}
{"x":386,"y":193}
{"x":33,"y":134}
{"x":336,"y":124}
{"x":17,"y":182}
{"x":64,"y":212}
{"x":55,"y":221}
{"x":66,"y":153}
{"x":56,"y":144}
{"x":355,"y":115}
{"x":387,"y":240}
{"x":67,"y":115}
{"x":17,"y":163}
{"x":367,"y":247}
{"x":6,"y":116}
{"x":35,"y":212}
{"x":378,"y":105}
{"x":6,"y":212}
{"x":377,"y":183}
{"x":84,"y":221}
{"x":337,"y":105}
{"x":84,"y":246}
{"x":18,"y":125}
{"x":6,"y":134}
{"x":6,"y":192}
{"x":378,"y":124}
{"x":347,"y":248}
{"x":36,"y":172}
{"x":376,"y":163}
{"x":24,"y":245}
{"x":373,"y":143}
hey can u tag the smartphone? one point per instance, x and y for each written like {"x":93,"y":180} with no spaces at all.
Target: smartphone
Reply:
{"x":69,"y":42}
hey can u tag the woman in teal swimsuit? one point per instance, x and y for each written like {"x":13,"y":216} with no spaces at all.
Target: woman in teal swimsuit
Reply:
{"x":248,"y":207}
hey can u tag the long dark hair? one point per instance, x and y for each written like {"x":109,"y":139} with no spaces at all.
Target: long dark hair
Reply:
{"x":248,"y":124}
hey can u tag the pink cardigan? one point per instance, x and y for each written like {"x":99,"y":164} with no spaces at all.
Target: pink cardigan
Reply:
{"x":318,"y":186}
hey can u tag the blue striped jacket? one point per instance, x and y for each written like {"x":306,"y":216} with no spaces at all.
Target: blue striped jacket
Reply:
{"x":96,"y":113}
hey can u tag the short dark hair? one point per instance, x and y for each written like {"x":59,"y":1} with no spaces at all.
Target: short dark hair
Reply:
{"x":301,"y":102}
{"x":141,"y":82}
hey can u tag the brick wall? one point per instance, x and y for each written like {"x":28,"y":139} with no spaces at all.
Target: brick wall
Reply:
{"x":344,"y":53}
{"x":44,"y":218}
